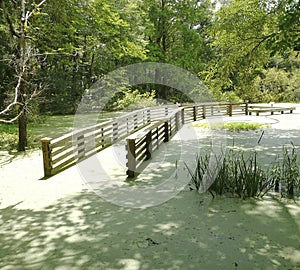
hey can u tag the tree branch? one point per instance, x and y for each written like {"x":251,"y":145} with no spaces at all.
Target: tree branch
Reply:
{"x":29,"y":14}
{"x":11,"y":120}
{"x":15,"y":101}
{"x":10,"y":24}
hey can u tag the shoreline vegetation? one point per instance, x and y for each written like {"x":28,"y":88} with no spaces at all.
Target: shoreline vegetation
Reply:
{"x":233,"y":126}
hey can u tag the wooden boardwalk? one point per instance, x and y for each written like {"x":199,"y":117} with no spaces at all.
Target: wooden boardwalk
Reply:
{"x":146,"y":129}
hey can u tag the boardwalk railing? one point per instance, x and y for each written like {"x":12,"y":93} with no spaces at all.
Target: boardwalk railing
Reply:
{"x":67,"y":150}
{"x":141,"y":145}
{"x":73,"y":147}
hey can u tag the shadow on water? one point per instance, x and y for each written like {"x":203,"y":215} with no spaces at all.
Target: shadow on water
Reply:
{"x":189,"y":232}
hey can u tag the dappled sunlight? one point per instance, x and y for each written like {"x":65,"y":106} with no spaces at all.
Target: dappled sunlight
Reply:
{"x":291,"y":254}
{"x":129,"y":264}
{"x":58,"y":223}
{"x":167,"y":229}
{"x":83,"y":231}
{"x":267,"y":208}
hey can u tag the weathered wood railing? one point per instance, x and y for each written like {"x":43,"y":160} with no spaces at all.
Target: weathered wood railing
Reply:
{"x":270,"y":108}
{"x":73,"y":147}
{"x":140,"y":146}
{"x":65,"y":151}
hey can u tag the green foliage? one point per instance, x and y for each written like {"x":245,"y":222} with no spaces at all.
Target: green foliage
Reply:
{"x":8,"y":141}
{"x":229,"y":97}
{"x":77,"y":42}
{"x":281,"y":81}
{"x":232,"y":126}
{"x":236,"y":175}
{"x":133,"y":99}
{"x":245,"y":51}
{"x":8,"y":137}
{"x":177,"y":34}
{"x":246,"y":35}
{"x":240,"y":174}
{"x":286,"y":171}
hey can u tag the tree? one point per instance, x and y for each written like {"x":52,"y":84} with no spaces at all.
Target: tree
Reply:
{"x":177,"y":34}
{"x":17,"y":18}
{"x":90,"y":39}
{"x":62,"y":47}
{"x":280,"y":81}
{"x":246,"y":35}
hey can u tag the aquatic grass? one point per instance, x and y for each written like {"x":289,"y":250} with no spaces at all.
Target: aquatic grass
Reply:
{"x":240,"y":174}
{"x":233,"y":126}
{"x":286,"y":172}
{"x":198,"y":174}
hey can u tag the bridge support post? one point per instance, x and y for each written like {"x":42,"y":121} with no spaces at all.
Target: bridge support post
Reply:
{"x":246,"y":108}
{"x":114,"y":131}
{"x":182,"y":116}
{"x":177,"y":121}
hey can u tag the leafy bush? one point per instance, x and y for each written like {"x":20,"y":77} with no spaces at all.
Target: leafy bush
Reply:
{"x":133,"y":99}
{"x":8,"y":137}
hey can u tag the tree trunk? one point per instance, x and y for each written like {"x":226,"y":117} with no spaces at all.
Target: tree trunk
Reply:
{"x":22,"y":122}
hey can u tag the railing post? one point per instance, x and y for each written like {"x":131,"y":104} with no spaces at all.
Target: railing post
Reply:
{"x":246,"y":108}
{"x":46,"y":148}
{"x":114,"y":131}
{"x":135,"y":121}
{"x":182,"y":116}
{"x":229,"y":111}
{"x":148,"y":145}
{"x":102,"y":137}
{"x":127,"y":126}
{"x":157,"y":139}
{"x":204,"y":112}
{"x":177,"y":121}
{"x":166,"y":111}
{"x":166,"y":131}
{"x":148,"y":115}
{"x":195,"y":113}
{"x":131,"y":157}
{"x":80,"y":146}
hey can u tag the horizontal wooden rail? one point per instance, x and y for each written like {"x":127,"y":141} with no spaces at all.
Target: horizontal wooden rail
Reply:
{"x":257,"y":109}
{"x":141,"y":145}
{"x":67,"y":150}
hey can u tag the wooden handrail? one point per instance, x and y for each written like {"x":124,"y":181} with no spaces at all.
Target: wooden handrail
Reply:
{"x":65,"y":151}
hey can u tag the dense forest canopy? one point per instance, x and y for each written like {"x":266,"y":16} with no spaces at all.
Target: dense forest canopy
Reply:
{"x":52,"y":51}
